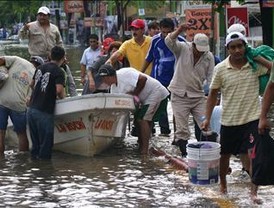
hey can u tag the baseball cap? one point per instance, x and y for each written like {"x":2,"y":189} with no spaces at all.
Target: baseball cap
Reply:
{"x":236,"y":28}
{"x":235,"y":36}
{"x":138,"y":23}
{"x":44,"y":10}
{"x":106,"y":70}
{"x":107,"y":42}
{"x":37,"y":59}
{"x":201,"y":42}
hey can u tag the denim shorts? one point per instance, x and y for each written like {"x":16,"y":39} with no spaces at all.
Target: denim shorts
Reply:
{"x":18,"y":119}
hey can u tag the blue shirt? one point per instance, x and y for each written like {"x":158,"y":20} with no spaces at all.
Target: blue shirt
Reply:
{"x":162,"y":58}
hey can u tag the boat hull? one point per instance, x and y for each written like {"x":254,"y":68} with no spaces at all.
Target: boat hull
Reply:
{"x":87,"y":125}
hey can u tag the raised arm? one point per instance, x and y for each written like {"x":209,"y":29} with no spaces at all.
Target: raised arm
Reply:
{"x":24,"y":31}
{"x":181,"y":28}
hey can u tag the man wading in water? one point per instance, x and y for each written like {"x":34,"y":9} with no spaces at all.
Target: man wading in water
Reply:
{"x":239,"y":86}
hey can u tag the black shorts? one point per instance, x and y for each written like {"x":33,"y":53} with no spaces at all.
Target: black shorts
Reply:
{"x":238,"y":139}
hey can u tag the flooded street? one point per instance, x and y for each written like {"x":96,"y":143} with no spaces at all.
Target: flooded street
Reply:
{"x":119,"y":177}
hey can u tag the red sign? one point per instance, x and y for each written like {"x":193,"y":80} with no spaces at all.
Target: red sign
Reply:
{"x":237,"y":15}
{"x":268,"y":3}
{"x":200,"y":22}
{"x":76,"y":6}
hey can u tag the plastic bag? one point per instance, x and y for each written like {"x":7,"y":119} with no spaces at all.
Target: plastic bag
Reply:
{"x":263,"y":160}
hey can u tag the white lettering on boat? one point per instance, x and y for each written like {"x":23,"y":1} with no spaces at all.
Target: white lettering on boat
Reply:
{"x":71,"y":126}
{"x":104,"y":124}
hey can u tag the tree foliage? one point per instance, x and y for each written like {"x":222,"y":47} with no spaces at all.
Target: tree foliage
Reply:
{"x":121,"y":6}
{"x":220,"y":3}
{"x":152,"y":4}
{"x":16,"y":11}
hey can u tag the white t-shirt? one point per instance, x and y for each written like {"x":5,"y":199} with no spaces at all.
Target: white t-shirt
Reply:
{"x":127,"y":78}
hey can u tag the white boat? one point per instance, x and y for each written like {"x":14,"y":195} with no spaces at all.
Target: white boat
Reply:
{"x":86,"y":125}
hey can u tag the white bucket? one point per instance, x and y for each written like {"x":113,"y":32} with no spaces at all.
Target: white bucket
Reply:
{"x":203,"y":162}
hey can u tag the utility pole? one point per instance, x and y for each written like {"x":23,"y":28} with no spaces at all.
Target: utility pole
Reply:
{"x":267,"y":24}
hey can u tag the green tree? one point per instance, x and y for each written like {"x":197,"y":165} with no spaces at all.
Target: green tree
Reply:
{"x":121,"y":6}
{"x":18,"y":11}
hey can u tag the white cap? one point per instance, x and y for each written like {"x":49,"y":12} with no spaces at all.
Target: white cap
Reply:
{"x":44,"y":10}
{"x":235,"y":36}
{"x":237,"y":28}
{"x":201,"y":42}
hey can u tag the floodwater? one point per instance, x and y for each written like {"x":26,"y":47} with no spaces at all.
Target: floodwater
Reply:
{"x":119,"y":177}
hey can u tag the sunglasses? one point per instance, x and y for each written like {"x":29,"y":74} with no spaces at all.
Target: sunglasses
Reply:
{"x":93,"y":41}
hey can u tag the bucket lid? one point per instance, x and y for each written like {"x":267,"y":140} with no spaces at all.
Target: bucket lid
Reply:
{"x":204,"y":145}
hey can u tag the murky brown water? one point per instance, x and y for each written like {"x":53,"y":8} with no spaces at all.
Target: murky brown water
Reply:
{"x":119,"y":177}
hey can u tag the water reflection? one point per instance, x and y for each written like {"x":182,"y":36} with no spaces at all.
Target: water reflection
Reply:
{"x":118,"y":178}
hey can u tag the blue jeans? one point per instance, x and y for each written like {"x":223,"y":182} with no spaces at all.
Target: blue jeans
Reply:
{"x":18,"y":119}
{"x":41,"y":126}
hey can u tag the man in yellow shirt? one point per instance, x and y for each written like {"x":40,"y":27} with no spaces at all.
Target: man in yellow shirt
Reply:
{"x":134,"y":49}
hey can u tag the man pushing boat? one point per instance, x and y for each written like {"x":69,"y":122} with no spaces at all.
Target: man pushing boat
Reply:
{"x":150,"y":93}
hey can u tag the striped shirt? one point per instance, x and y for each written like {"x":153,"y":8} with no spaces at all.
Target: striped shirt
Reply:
{"x":240,"y":92}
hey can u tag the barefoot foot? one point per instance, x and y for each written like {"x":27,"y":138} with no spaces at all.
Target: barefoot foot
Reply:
{"x":256,"y":200}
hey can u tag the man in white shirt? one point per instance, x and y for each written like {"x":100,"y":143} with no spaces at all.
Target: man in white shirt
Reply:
{"x":147,"y":91}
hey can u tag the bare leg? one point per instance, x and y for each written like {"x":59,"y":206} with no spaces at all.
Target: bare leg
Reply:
{"x":23,"y":141}
{"x":144,"y":135}
{"x":245,"y":161}
{"x":253,"y":194}
{"x":224,"y":165}
{"x":2,"y":142}
{"x":254,"y":187}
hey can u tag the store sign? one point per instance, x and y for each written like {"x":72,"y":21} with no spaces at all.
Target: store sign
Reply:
{"x":141,"y":12}
{"x":76,"y":6}
{"x":237,"y":15}
{"x":200,"y":22}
